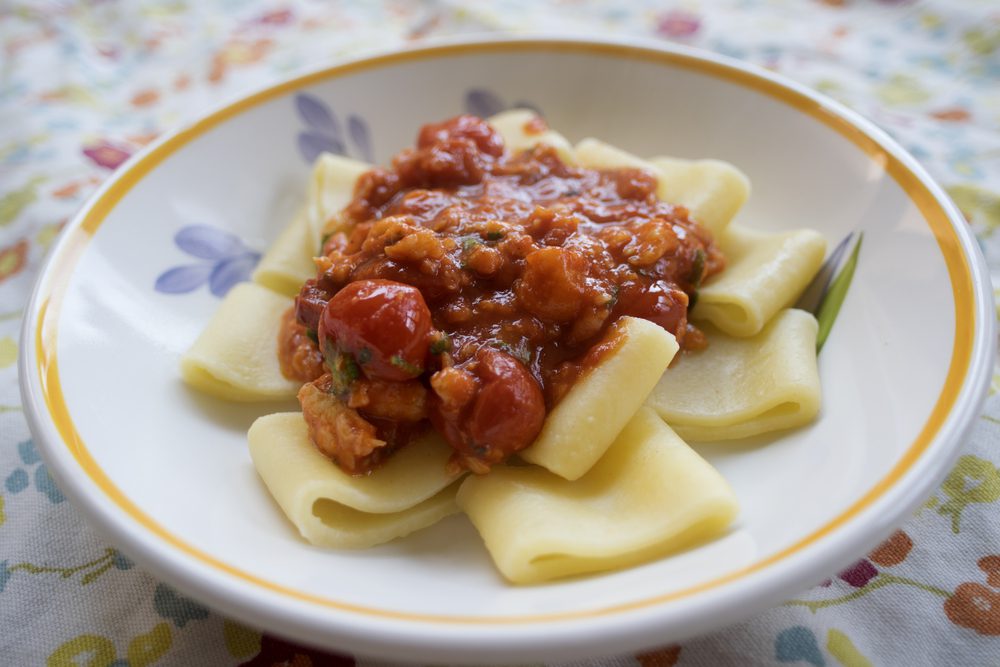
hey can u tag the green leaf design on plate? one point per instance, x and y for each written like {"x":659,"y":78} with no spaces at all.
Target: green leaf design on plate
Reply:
{"x":829,"y":307}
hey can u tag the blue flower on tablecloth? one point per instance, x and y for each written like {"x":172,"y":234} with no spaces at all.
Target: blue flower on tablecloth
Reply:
{"x":796,"y":644}
{"x":177,"y":608}
{"x":225,"y":261}
{"x":47,"y":486}
{"x":485,"y":103}
{"x":121,"y":562}
{"x":965,"y":161}
{"x":20,"y":478}
{"x":324,"y":134}
{"x":17,"y":481}
{"x":4,"y":575}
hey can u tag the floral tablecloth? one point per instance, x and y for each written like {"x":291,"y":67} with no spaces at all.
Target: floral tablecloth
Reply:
{"x":83,"y":85}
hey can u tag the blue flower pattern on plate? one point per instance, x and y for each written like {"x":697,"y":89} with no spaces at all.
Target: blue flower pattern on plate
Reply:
{"x":225,"y":261}
{"x":485,"y":103}
{"x":324,"y":132}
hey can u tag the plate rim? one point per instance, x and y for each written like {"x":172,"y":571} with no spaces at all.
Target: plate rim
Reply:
{"x":560,"y":634}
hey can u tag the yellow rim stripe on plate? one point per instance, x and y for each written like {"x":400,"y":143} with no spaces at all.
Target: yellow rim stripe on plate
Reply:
{"x":936,"y":217}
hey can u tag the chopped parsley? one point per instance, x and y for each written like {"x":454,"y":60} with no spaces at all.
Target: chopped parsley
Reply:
{"x":364,"y":356}
{"x":404,"y":365}
{"x":697,"y":268}
{"x":521,"y":351}
{"x":343,"y":369}
{"x":441,"y":344}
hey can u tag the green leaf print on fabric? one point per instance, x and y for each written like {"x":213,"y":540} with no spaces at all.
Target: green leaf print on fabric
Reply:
{"x":146,"y":649}
{"x":91,"y":570}
{"x":96,"y":651}
{"x":843,"y":649}
{"x":16,"y":201}
{"x":241,"y":641}
{"x":902,"y":90}
{"x":8,"y":351}
{"x":981,"y":207}
{"x":868,"y":575}
{"x":982,"y":42}
{"x":972,"y":480}
{"x":83,"y":651}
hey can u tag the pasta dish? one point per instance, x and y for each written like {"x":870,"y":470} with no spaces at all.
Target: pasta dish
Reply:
{"x":552,"y":319}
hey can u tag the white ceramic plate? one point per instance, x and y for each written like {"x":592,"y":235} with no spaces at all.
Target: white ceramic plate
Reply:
{"x":166,"y":471}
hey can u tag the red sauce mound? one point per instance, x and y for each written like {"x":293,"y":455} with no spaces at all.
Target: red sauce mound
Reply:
{"x":470,"y":285}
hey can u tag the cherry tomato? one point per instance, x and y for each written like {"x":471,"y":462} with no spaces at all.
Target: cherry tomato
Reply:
{"x":509,"y":410}
{"x":383,"y":324}
{"x":504,"y":416}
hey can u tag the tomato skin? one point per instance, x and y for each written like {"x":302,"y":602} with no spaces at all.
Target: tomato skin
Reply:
{"x":383,"y":324}
{"x":509,"y":410}
{"x":660,"y":303}
{"x":502,"y":415}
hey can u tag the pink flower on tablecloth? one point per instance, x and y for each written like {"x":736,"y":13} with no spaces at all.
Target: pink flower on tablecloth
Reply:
{"x":678,"y":24}
{"x":891,"y":552}
{"x":859,"y":574}
{"x":952,"y":115}
{"x":107,"y":155}
{"x":237,"y":53}
{"x":275,"y":17}
{"x":145,"y":97}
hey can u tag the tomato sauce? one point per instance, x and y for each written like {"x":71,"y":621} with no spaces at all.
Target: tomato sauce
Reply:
{"x":476,"y":286}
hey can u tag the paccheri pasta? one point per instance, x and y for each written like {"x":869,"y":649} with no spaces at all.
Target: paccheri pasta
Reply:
{"x":503,"y":303}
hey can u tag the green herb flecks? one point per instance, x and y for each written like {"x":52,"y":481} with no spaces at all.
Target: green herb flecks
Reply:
{"x":829,"y":306}
{"x":521,"y":351}
{"x":313,"y":336}
{"x":697,"y":269}
{"x":470,"y":242}
{"x":364,"y":356}
{"x":440,"y":343}
{"x":494,"y":235}
{"x":616,"y":291}
{"x":405,"y":366}
{"x":343,"y":369}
